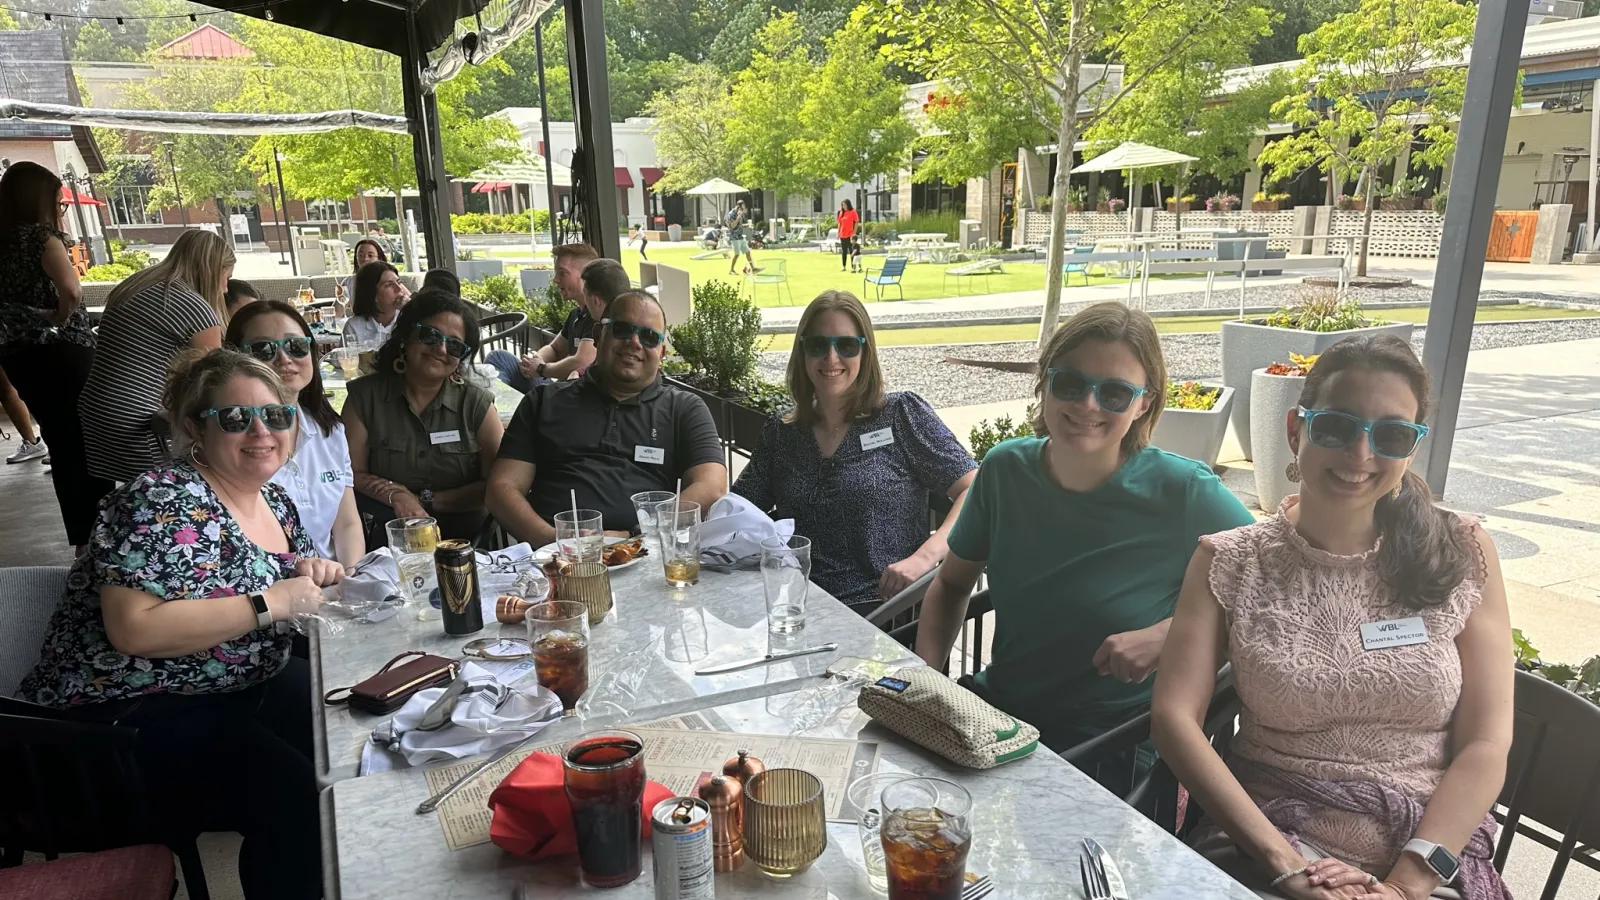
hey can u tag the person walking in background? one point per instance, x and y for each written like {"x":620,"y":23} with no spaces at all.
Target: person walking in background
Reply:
{"x":635,"y":233}
{"x":153,"y":314}
{"x":17,"y":412}
{"x":46,"y":345}
{"x":849,"y":256}
{"x":739,"y":238}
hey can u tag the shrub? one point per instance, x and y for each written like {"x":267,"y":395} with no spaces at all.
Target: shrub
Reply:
{"x":131,"y":259}
{"x":1191,"y":395}
{"x":111,"y":272}
{"x":719,"y":338}
{"x":985,"y":435}
{"x":1582,"y":679}
{"x":1323,"y":314}
{"x":389,"y":226}
{"x":1117,"y":204}
{"x":1440,"y":200}
{"x":1298,"y":366}
{"x":499,"y":292}
{"x":764,"y":395}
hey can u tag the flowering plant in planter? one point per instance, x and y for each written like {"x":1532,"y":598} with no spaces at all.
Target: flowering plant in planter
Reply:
{"x":1191,"y":395}
{"x":1223,"y":202}
{"x":1327,"y":313}
{"x":1117,"y":204}
{"x":1345,"y":201}
{"x":1297,"y":367}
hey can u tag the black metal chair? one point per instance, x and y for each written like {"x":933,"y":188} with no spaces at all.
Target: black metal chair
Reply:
{"x":1552,"y":778}
{"x":907,"y":603}
{"x":503,"y":331}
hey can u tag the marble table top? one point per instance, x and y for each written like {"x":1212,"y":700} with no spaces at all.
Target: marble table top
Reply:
{"x":1028,"y":818}
{"x":661,"y":635}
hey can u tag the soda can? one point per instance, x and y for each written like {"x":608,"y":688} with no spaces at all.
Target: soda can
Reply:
{"x":457,"y":570}
{"x":680,"y":840}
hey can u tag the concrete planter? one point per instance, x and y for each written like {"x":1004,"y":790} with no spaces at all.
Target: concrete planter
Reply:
{"x":1195,"y":433}
{"x":1247,"y":346}
{"x":1271,"y":398}
{"x":478,"y":269}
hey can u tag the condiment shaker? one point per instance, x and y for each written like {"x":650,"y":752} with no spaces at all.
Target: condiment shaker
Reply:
{"x":743,"y":767}
{"x":725,"y":796}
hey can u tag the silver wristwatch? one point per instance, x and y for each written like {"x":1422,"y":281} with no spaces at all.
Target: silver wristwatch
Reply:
{"x":1443,"y":863}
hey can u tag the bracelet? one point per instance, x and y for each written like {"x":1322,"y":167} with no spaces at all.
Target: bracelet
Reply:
{"x":1288,"y":875}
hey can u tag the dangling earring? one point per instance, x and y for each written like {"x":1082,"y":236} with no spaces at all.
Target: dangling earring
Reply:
{"x":1292,"y":471}
{"x":399,"y":365}
{"x":194,"y":457}
{"x":1395,"y":494}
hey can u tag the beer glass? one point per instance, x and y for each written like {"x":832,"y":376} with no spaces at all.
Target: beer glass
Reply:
{"x":678,"y":527}
{"x":927,"y":832}
{"x":580,"y":536}
{"x":559,"y":633}
{"x":413,"y":540}
{"x":604,"y":783}
{"x":786,"y":575}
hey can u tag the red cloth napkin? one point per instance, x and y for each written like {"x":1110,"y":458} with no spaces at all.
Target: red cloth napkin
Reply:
{"x":532,"y":818}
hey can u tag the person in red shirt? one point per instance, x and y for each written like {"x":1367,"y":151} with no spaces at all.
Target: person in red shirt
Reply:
{"x":847,"y":219}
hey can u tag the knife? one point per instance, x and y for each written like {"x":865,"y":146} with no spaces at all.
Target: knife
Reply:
{"x":763,"y":660}
{"x":1114,"y":882}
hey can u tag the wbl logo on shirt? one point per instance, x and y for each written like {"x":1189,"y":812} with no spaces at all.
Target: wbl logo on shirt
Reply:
{"x":329,"y":477}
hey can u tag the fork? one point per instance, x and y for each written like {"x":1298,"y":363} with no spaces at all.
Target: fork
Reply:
{"x":1095,"y":885}
{"x":978,"y":889}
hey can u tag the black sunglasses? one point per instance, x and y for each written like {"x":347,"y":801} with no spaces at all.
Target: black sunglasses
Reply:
{"x":848,"y":346}
{"x":433,"y":337}
{"x":621,"y":330}
{"x":267,"y":350}
{"x":235,"y":419}
{"x":1112,"y":394}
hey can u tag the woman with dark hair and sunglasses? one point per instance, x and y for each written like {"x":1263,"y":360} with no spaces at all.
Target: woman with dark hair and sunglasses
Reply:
{"x":366,"y":251}
{"x":422,"y":438}
{"x":173,"y":624}
{"x":1370,"y":642}
{"x":318,"y":475}
{"x":854,"y":466}
{"x":379,"y":294}
{"x":1085,"y":531}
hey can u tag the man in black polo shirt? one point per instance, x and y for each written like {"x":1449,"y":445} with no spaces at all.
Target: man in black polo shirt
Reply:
{"x":614,"y":432}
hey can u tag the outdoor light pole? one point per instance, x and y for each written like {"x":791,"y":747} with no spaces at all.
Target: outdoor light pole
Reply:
{"x":77,"y":208}
{"x":283,"y":209}
{"x":176,"y":187}
{"x":544,"y":123}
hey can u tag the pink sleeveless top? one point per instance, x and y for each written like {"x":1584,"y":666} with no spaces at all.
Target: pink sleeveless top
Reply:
{"x":1316,"y":703}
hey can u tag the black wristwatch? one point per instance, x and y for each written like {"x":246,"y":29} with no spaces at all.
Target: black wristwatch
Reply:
{"x":263,"y":614}
{"x":538,"y":370}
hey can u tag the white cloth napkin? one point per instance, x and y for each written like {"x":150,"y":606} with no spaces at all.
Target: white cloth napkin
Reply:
{"x":490,"y":715}
{"x":733,"y":529}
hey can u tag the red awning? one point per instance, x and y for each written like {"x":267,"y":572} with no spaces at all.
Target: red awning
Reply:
{"x":484,"y":187}
{"x":68,"y":193}
{"x":648,"y":175}
{"x":623,"y":178}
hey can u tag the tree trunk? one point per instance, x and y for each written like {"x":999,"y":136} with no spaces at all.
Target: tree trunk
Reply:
{"x":1178,"y":189}
{"x":1366,"y":226}
{"x":1066,"y":137}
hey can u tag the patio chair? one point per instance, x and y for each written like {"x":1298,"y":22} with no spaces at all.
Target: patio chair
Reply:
{"x":1081,"y":268}
{"x":503,"y":331}
{"x":887,"y":274}
{"x":1552,"y":778}
{"x":980,"y":268}
{"x":776,"y":274}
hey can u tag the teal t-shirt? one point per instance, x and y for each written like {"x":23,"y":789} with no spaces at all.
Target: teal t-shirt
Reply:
{"x":1067,"y":569}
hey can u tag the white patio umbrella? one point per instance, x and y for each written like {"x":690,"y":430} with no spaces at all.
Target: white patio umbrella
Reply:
{"x":1133,"y":155}
{"x":529,"y":173}
{"x":716,"y":187}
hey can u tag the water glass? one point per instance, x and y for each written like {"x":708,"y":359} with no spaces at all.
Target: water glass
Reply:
{"x":678,"y":524}
{"x":927,"y":833}
{"x":864,"y":794}
{"x":785,"y":821}
{"x":587,"y":583}
{"x":580,"y":535}
{"x":413,"y":540}
{"x":786,"y":574}
{"x":644,"y":506}
{"x":559,"y":633}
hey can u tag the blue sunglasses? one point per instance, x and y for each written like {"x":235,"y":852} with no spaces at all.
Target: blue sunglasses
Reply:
{"x":1112,"y":394}
{"x":848,"y":346}
{"x":623,"y":330}
{"x":235,"y":419}
{"x":1388,"y":438}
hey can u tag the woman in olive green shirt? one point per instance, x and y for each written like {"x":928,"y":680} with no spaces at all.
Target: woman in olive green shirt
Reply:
{"x":422,"y":438}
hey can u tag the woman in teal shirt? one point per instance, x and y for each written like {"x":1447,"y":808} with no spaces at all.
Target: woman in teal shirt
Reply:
{"x":1085,"y":532}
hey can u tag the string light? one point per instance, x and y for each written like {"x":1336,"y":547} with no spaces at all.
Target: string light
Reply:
{"x":122,"y":26}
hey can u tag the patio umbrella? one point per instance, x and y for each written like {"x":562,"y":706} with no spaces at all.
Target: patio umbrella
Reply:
{"x":1133,"y":155}
{"x":716,"y":187}
{"x":529,"y":173}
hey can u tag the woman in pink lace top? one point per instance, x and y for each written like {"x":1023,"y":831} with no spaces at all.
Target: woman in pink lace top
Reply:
{"x":1371,"y":648}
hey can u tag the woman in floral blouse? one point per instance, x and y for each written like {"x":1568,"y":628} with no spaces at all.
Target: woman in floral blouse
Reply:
{"x":174,"y":623}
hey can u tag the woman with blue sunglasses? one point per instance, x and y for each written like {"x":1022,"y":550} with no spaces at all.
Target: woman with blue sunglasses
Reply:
{"x":1370,"y":641}
{"x":853,"y":466}
{"x":1084,"y":531}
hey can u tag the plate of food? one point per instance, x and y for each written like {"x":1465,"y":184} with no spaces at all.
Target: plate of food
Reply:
{"x":620,"y":552}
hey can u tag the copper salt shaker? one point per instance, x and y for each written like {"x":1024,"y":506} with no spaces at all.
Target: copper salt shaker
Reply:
{"x":743,"y":767}
{"x":725,"y":796}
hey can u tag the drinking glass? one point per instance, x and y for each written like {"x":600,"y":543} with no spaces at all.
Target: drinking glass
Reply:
{"x":587,"y":583}
{"x":785,"y":821}
{"x":864,"y":794}
{"x":559,"y":633}
{"x":678,"y":527}
{"x":926,"y":831}
{"x":604,"y":782}
{"x":348,"y":359}
{"x":413,"y":540}
{"x":580,"y":535}
{"x":786,"y":574}
{"x":644,"y":506}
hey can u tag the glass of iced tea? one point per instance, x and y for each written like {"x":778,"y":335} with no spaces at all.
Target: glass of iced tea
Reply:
{"x":927,"y":832}
{"x":678,"y":530}
{"x":559,"y":633}
{"x":604,"y":782}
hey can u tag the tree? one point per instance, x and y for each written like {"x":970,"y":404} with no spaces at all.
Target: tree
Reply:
{"x":1298,"y":17}
{"x":1369,"y":78}
{"x":852,"y":126}
{"x":692,"y":130}
{"x":209,"y":166}
{"x":738,"y":39}
{"x":968,"y":131}
{"x":1031,"y":52}
{"x":7,"y":23}
{"x":766,"y":102}
{"x":95,"y":44}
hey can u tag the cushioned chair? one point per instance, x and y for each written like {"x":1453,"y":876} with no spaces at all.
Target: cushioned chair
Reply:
{"x":127,"y":873}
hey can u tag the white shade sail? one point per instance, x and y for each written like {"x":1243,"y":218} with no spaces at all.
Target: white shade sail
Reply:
{"x":715,"y":187}
{"x":1131,"y":155}
{"x":524,"y":173}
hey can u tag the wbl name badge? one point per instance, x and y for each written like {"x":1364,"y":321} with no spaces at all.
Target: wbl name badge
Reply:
{"x":1393,"y":633}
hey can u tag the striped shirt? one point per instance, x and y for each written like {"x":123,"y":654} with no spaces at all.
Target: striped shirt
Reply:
{"x":138,"y":338}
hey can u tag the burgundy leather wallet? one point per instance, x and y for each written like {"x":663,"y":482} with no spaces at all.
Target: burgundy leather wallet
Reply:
{"x":395,"y":683}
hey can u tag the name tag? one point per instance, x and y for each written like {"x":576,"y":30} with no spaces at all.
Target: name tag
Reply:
{"x":872,"y":440}
{"x":1393,"y":633}
{"x":656,"y":455}
{"x":445,"y":437}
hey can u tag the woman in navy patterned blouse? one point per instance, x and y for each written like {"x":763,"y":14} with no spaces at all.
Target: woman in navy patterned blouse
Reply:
{"x":854,"y":466}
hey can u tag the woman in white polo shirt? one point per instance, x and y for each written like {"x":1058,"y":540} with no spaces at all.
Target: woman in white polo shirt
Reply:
{"x":318,"y":476}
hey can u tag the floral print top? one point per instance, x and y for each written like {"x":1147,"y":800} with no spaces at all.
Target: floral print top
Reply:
{"x":165,"y":533}
{"x":25,"y":291}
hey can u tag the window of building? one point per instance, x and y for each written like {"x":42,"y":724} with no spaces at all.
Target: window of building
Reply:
{"x":128,"y":206}
{"x":938,"y":197}
{"x":328,"y":210}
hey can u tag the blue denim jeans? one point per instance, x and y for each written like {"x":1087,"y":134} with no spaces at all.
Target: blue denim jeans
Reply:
{"x":509,"y":366}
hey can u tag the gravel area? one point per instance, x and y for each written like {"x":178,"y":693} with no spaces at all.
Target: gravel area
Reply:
{"x":924,"y":370}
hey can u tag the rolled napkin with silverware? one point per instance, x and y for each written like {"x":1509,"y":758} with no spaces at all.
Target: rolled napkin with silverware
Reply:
{"x":923,"y":705}
{"x":475,"y":714}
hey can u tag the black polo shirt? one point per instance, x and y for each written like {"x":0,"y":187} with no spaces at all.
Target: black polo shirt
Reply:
{"x":579,"y":437}
{"x":578,"y":327}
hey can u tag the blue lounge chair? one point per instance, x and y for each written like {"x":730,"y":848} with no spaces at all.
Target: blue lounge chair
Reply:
{"x":1080,"y":268}
{"x":887,"y":274}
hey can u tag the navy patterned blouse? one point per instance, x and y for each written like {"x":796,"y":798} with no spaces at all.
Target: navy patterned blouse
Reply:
{"x":865,"y":507}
